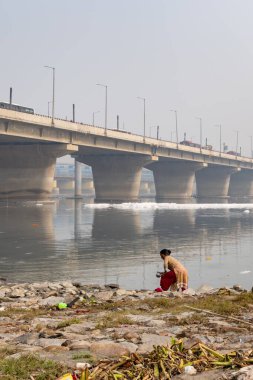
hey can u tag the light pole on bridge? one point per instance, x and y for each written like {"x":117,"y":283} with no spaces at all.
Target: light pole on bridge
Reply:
{"x":105,"y":86}
{"x":157,"y":131}
{"x":237,"y":138}
{"x":144,"y":116}
{"x":53,"y":99}
{"x":175,"y":111}
{"x":219,"y":126}
{"x":200,"y":131}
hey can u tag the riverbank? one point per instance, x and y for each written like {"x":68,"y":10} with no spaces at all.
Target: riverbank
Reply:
{"x":108,"y":322}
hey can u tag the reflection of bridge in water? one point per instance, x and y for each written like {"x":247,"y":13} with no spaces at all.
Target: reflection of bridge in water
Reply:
{"x":72,"y":240}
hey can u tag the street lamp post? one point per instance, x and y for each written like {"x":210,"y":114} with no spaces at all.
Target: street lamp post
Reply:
{"x":236,"y":147}
{"x":93,"y":117}
{"x":200,"y":131}
{"x":144,"y":116}
{"x":105,"y":86}
{"x":157,"y":132}
{"x":219,"y":126}
{"x":53,"y":100}
{"x":175,"y":111}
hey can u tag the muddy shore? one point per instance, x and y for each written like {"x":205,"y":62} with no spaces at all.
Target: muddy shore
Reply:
{"x":108,"y":322}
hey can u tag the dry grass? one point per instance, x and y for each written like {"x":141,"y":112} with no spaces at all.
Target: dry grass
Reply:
{"x":22,"y":313}
{"x":85,"y":356}
{"x":6,"y":351}
{"x":30,"y":365}
{"x":113,"y":319}
{"x":68,"y":322}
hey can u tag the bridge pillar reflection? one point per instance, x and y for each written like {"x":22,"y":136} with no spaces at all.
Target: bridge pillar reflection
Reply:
{"x":241,"y":184}
{"x":116,"y":177}
{"x":213,"y":181}
{"x":174,"y":179}
{"x":27,"y":170}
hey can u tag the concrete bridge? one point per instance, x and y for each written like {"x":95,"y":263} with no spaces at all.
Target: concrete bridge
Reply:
{"x":30,"y":145}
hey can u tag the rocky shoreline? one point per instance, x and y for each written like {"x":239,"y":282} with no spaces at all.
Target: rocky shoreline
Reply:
{"x":108,"y":322}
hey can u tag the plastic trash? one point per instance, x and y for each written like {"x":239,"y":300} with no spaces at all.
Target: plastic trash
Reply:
{"x":67,"y":376}
{"x":82,"y":366}
{"x":190,"y":370}
{"x":62,"y":305}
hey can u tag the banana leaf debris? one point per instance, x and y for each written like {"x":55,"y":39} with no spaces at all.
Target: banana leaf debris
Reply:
{"x":165,"y":362}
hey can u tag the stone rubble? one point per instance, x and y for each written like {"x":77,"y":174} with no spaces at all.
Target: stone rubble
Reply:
{"x":63,"y":334}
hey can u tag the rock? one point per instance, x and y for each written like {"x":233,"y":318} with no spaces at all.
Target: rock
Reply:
{"x":204,"y":289}
{"x":3,"y":292}
{"x":109,"y":349}
{"x":131,"y":335}
{"x":189,"y":292}
{"x":79,"y":345}
{"x":104,"y":296}
{"x":130,"y":346}
{"x":17,"y":293}
{"x":112,"y":286}
{"x":44,"y":321}
{"x":56,"y":348}
{"x":123,"y":292}
{"x":156,"y":323}
{"x":139,"y":318}
{"x":51,"y":301}
{"x":80,"y":328}
{"x":45,"y":342}
{"x":238,"y":288}
{"x":150,"y":340}
{"x":29,"y":338}
{"x":245,"y":373}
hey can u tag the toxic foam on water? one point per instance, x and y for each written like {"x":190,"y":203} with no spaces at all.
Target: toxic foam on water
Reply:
{"x":171,"y":206}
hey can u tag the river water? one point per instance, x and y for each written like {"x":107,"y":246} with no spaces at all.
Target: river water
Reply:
{"x":101,"y":243}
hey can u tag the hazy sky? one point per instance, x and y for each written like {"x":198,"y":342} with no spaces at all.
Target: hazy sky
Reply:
{"x":195,"y":56}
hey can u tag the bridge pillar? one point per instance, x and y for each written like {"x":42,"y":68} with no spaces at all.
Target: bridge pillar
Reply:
{"x":27,"y":170}
{"x":174,"y":179}
{"x":241,"y":184}
{"x":213,"y":181}
{"x":116,"y":177}
{"x":78,"y":179}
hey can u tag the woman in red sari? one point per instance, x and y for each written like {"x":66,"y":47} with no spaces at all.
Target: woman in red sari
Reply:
{"x":175,"y":275}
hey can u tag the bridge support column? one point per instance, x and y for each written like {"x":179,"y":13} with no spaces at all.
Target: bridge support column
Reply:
{"x":213,"y":181}
{"x":78,"y":179}
{"x":241,"y":184}
{"x":116,"y":177}
{"x":27,"y":171}
{"x":174,"y":179}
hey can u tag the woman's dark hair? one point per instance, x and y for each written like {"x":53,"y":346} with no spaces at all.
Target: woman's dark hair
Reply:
{"x":165,"y":252}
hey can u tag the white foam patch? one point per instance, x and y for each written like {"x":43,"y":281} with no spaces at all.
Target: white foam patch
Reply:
{"x":171,"y":206}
